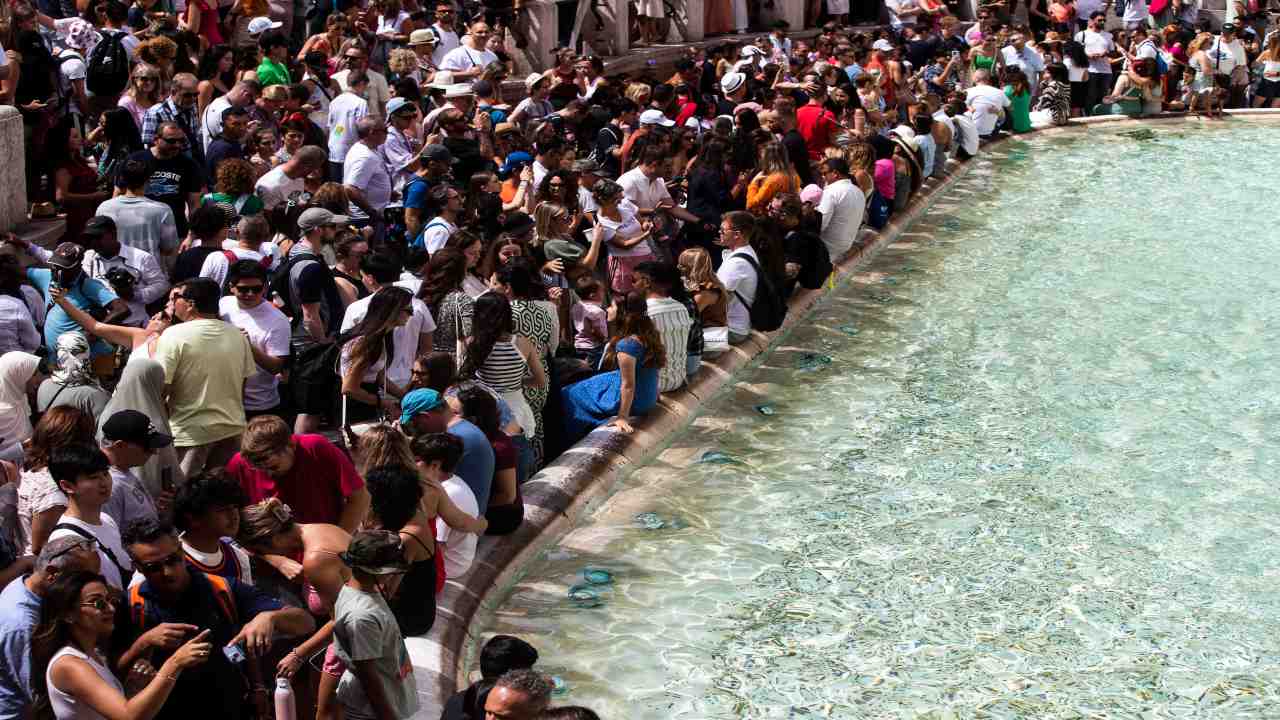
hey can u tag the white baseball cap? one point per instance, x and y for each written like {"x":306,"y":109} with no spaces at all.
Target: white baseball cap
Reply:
{"x":259,"y":25}
{"x":655,"y":117}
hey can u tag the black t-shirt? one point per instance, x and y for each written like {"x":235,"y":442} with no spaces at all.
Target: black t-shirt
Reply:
{"x":467,"y":158}
{"x":921,"y":50}
{"x":312,"y":282}
{"x":609,"y":137}
{"x":798,"y":152}
{"x":189,"y":262}
{"x":220,"y":149}
{"x":172,"y":179}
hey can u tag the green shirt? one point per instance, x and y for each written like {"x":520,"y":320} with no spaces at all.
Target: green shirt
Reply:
{"x":1019,"y":110}
{"x":271,"y":72}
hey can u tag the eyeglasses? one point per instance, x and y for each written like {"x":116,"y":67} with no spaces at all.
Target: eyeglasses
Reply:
{"x":248,"y":289}
{"x":154,"y":567}
{"x":101,"y":604}
{"x":173,"y":141}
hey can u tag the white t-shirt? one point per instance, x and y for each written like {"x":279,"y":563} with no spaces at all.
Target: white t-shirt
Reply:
{"x":842,"y":206}
{"x":739,"y":278}
{"x":268,"y":330}
{"x":108,"y":535}
{"x":1096,"y":42}
{"x":367,"y":169}
{"x":459,"y":548}
{"x":628,"y":226}
{"x":1224,"y":58}
{"x":1136,"y":11}
{"x":212,"y":120}
{"x":643,"y":192}
{"x":986,"y":103}
{"x":966,"y":133}
{"x":214,"y":559}
{"x":68,"y":71}
{"x":405,"y":338}
{"x":447,"y":40}
{"x":344,"y":111}
{"x":436,"y":233}
{"x":464,"y":58}
{"x":896,"y":6}
{"x":216,"y":264}
{"x":275,"y":188}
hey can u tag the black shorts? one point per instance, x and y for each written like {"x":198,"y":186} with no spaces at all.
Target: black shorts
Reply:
{"x":1079,"y":93}
{"x":1268,"y":89}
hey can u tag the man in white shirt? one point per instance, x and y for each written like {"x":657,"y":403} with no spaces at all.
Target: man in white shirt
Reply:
{"x":446,"y":38}
{"x":243,"y":94}
{"x":468,"y":60}
{"x":266,"y":329}
{"x":345,"y":111}
{"x":1227,"y":57}
{"x":366,"y":176}
{"x":1018,"y":54}
{"x":128,"y":440}
{"x":737,"y":274}
{"x":403,"y":144}
{"x":135,"y":275}
{"x":965,"y":137}
{"x":670,"y":317}
{"x":1098,"y":44}
{"x":902,"y":13}
{"x":413,"y":339}
{"x":355,"y":60}
{"x":285,"y":184}
{"x":842,"y":207}
{"x":645,"y":188}
{"x":251,"y":233}
{"x":987,"y":104}
{"x":1136,"y":14}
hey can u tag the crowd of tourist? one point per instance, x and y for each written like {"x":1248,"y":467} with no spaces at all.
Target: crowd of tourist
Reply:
{"x":325,"y":301}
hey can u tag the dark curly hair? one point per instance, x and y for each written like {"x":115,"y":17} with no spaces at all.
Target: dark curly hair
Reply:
{"x":235,"y":177}
{"x":395,"y":493}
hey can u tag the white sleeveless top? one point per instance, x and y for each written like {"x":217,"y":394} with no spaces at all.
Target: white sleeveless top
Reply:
{"x":66,"y":707}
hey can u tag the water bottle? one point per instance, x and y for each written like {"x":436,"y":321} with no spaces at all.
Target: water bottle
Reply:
{"x":286,"y":706}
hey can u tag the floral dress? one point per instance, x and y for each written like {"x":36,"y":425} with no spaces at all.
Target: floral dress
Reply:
{"x":454,"y":313}
{"x":535,"y":321}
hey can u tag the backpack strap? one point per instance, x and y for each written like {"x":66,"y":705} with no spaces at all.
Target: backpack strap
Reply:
{"x":225,"y":598}
{"x":754,"y":266}
{"x":231,"y":257}
{"x":124,"y":574}
{"x":137,"y":607}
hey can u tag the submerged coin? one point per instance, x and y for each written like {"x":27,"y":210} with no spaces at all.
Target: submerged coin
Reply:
{"x":585,"y":596}
{"x":597,"y":576}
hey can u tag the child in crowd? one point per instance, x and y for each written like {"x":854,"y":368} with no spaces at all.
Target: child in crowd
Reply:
{"x":590,"y":321}
{"x":378,"y":681}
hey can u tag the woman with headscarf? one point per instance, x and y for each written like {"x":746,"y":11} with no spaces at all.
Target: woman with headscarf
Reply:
{"x":19,"y":372}
{"x":141,"y":388}
{"x":73,"y":383}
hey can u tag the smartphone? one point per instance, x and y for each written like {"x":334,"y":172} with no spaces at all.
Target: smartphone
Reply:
{"x":234,"y":653}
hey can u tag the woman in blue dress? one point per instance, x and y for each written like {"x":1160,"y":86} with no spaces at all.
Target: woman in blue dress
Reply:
{"x":629,"y":388}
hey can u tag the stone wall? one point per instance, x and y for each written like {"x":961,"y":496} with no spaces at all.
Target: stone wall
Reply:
{"x":13,"y":198}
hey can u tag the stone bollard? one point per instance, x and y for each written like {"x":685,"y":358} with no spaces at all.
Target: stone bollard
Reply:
{"x":13,"y":170}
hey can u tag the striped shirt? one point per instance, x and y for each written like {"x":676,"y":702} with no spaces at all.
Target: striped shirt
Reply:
{"x":504,"y":369}
{"x":672,"y":320}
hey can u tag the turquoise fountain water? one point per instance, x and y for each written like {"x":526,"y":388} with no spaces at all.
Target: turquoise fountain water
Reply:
{"x":1024,"y":468}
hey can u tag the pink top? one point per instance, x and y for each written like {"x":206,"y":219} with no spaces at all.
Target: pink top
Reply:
{"x":884,"y":177}
{"x":591,"y":326}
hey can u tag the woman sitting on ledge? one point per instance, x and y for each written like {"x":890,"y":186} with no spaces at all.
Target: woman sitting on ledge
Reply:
{"x":630,"y":388}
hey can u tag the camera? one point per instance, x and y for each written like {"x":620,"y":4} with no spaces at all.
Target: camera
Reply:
{"x":122,"y":280}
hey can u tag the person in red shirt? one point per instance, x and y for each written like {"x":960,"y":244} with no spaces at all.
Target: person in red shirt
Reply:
{"x":817,"y":125}
{"x":307,"y":472}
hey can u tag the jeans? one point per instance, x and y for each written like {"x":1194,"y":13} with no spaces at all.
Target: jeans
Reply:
{"x":1099,"y":87}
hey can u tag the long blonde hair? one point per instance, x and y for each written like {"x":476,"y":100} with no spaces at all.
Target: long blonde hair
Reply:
{"x":773,"y":159}
{"x":1199,"y":43}
{"x":544,"y":220}
{"x":695,"y":267}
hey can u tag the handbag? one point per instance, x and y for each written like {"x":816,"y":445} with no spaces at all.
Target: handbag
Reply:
{"x":715,"y":339}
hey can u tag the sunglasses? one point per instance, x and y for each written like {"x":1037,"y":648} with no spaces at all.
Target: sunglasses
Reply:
{"x":248,"y":289}
{"x":154,"y":567}
{"x":101,"y":604}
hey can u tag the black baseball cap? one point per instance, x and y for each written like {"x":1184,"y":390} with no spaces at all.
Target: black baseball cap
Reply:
{"x":135,"y":427}
{"x":99,"y":225}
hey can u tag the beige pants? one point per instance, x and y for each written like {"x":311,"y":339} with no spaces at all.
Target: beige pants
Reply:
{"x":215,"y":455}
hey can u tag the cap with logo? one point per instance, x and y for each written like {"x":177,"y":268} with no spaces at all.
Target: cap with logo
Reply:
{"x":67,"y":255}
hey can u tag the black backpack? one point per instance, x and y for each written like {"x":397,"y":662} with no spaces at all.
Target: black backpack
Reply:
{"x":279,"y":283}
{"x":769,"y":309}
{"x":108,"y":72}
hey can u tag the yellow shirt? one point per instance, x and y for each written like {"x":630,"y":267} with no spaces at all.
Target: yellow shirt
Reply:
{"x":205,"y":365}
